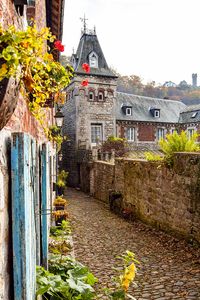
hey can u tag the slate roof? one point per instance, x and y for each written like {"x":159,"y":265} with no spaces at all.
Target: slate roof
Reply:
{"x":169,"y":109}
{"x":87,"y":44}
{"x":188,"y":112}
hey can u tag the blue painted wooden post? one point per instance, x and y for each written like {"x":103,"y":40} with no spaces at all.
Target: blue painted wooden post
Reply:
{"x":45,"y":207}
{"x":36,"y":193}
{"x":23,"y":217}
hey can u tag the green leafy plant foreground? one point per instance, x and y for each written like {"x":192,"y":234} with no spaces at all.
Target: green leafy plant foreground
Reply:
{"x":66,"y":279}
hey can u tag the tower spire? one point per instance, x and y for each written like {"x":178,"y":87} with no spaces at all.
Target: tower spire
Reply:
{"x":83,"y":20}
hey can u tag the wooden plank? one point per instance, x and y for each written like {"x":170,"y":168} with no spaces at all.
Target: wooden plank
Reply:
{"x":23,"y":221}
{"x":37,"y":203}
{"x":44,"y":205}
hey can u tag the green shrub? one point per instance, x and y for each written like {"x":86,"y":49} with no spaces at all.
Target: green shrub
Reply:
{"x":178,"y":143}
{"x":117,"y":144}
{"x":153,"y":157}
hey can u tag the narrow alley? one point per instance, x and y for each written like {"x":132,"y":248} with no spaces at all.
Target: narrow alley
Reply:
{"x":170,"y":269}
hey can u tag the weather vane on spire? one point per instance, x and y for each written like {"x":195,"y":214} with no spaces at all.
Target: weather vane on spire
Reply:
{"x":84,"y":23}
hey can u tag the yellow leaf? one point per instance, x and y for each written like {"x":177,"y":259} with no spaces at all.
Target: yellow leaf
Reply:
{"x":3,"y":70}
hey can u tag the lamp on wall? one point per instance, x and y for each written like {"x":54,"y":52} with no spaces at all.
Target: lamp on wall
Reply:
{"x":59,"y":118}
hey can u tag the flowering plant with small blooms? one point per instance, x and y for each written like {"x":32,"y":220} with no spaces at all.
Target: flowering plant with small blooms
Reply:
{"x":125,"y":278}
{"x":22,"y":56}
{"x":86,"y":68}
{"x":59,"y":46}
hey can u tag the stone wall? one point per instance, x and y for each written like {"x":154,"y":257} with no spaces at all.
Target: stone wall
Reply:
{"x":102,"y":180}
{"x":69,"y":146}
{"x":167,"y":198}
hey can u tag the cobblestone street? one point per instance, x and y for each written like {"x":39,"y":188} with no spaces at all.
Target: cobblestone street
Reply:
{"x":170,"y":269}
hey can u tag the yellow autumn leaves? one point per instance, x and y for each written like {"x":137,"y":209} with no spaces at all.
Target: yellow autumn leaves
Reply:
{"x":3,"y":71}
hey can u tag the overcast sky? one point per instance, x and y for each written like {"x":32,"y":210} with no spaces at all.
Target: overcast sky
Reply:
{"x":155,"y":39}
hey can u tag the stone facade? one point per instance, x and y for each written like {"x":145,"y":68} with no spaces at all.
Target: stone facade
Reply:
{"x":167,"y":198}
{"x":80,"y":114}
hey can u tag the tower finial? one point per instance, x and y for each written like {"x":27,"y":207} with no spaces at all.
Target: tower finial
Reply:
{"x":84,"y":23}
{"x":94,"y":29}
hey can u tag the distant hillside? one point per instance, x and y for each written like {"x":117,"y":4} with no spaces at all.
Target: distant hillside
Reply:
{"x":182,"y":92}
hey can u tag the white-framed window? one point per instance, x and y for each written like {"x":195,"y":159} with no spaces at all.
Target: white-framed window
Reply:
{"x":91,"y":95}
{"x":93,"y":60}
{"x":100,"y":96}
{"x":96,"y":133}
{"x":190,"y":132}
{"x":173,"y":130}
{"x":157,"y":113}
{"x":130,"y":134}
{"x":160,"y":133}
{"x":128,"y":111}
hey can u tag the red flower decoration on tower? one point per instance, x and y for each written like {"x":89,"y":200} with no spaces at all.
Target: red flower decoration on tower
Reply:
{"x":84,"y":83}
{"x":59,"y":46}
{"x":86,"y":67}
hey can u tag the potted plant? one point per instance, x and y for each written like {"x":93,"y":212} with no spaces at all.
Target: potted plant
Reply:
{"x":23,"y":56}
{"x":60,"y":215}
{"x":61,"y":182}
{"x":60,"y":203}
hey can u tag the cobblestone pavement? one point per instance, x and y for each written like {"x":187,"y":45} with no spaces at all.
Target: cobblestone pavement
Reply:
{"x":170,"y":269}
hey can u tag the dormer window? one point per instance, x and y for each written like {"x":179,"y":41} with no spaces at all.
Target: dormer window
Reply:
{"x":128,"y":111}
{"x":156,"y":113}
{"x":194,"y":114}
{"x":93,"y":60}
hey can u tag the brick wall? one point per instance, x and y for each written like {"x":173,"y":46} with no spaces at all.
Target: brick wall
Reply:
{"x":146,"y":132}
{"x":21,"y":121}
{"x":166,"y":198}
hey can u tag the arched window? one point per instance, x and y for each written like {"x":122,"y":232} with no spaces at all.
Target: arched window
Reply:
{"x":100,"y":96}
{"x":91,"y":96}
{"x":93,"y":60}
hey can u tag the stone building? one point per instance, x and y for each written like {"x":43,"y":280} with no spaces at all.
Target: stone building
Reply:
{"x":144,"y":120}
{"x":190,"y":119}
{"x":89,"y":111}
{"x":17,"y":121}
{"x":94,"y":112}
